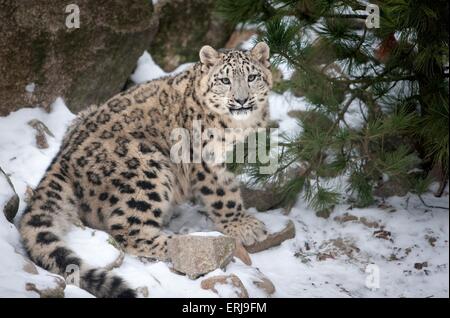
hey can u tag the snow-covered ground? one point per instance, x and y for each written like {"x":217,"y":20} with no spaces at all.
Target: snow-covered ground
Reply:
{"x":398,"y":248}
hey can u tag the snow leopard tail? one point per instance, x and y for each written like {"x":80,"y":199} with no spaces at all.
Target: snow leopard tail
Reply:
{"x":51,"y":253}
{"x":42,"y":227}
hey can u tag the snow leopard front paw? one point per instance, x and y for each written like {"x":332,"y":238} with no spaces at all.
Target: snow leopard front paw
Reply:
{"x":246,"y":229}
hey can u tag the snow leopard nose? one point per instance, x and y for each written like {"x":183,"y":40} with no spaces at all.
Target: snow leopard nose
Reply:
{"x":241,"y":101}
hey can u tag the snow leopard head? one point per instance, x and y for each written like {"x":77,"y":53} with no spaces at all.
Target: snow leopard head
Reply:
{"x":236,"y":83}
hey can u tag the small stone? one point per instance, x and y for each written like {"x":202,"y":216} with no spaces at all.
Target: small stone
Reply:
{"x":262,"y":200}
{"x":41,"y":132}
{"x":346,"y":218}
{"x":143,"y":291}
{"x":41,"y":140}
{"x":265,"y":284}
{"x":420,"y":266}
{"x":30,"y":268}
{"x":431,"y":240}
{"x":29,"y":193}
{"x":198,"y":255}
{"x":242,"y":254}
{"x":55,"y":292}
{"x":337,"y":248}
{"x":11,"y":207}
{"x":382,"y":234}
{"x":366,"y":222}
{"x":231,"y":280}
{"x":273,"y":239}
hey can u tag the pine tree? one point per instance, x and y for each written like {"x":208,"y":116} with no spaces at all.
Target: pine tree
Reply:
{"x":397,"y":75}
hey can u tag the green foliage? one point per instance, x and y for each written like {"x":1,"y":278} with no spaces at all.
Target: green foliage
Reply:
{"x":245,"y":10}
{"x":421,"y":185}
{"x":397,"y":75}
{"x":323,"y":199}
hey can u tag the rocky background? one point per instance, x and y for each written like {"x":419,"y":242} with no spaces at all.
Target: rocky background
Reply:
{"x":41,"y":58}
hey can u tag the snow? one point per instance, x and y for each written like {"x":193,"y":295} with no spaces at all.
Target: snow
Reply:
{"x":344,"y":275}
{"x":148,"y":70}
{"x":400,"y":247}
{"x":280,"y":105}
{"x":86,"y":243}
{"x":213,"y":234}
{"x":30,"y":87}
{"x":275,"y":220}
{"x":25,"y":164}
{"x":19,"y":156}
{"x":227,"y":290}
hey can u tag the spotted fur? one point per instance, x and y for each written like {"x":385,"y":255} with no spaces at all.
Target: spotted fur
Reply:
{"x":113,"y":171}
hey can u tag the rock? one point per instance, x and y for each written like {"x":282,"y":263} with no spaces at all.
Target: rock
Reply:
{"x":56,"y":292}
{"x":30,"y":268}
{"x":41,"y":132}
{"x":198,"y":255}
{"x":336,"y":248}
{"x":231,"y":280}
{"x":366,"y":222}
{"x":273,"y":239}
{"x":242,"y":254}
{"x":265,"y":284}
{"x":11,"y":207}
{"x":431,"y":240}
{"x":346,"y":217}
{"x":41,"y":58}
{"x":262,"y":200}
{"x":383,"y":234}
{"x":420,"y":266}
{"x":184,"y":27}
{"x":392,"y":187}
{"x":143,"y":291}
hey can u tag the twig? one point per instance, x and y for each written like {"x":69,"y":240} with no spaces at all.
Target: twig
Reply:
{"x":8,"y":179}
{"x":12,"y":205}
{"x":431,"y":206}
{"x":117,"y":263}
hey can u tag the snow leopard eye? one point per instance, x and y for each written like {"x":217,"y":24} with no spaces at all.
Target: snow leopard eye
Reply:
{"x":251,"y":77}
{"x":225,"y":80}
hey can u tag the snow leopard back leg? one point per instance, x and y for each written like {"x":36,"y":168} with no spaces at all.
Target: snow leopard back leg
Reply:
{"x":139,"y":204}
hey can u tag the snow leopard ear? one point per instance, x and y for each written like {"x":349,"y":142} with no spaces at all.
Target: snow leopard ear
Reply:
{"x":261,"y":53}
{"x":208,"y":56}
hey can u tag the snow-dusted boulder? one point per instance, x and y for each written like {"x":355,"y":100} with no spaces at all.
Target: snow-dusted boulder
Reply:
{"x":195,"y":255}
{"x":280,"y":229}
{"x":225,"y":286}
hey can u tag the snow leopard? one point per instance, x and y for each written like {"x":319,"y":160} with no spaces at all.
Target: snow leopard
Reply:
{"x":114,"y":172}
